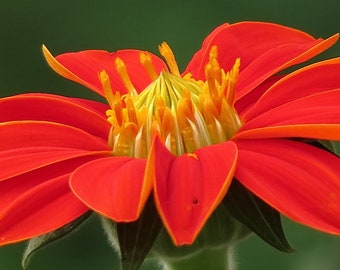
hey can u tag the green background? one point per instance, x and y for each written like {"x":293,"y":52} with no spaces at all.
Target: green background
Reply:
{"x":67,"y":25}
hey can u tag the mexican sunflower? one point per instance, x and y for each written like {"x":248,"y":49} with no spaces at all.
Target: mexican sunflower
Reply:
{"x":180,"y":138}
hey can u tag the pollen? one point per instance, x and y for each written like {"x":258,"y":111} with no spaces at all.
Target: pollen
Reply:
{"x":192,"y":155}
{"x":186,"y":113}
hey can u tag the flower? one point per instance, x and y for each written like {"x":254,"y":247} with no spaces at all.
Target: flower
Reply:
{"x":182,"y":136}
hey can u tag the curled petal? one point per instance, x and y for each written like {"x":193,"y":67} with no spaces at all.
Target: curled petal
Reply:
{"x":299,"y":180}
{"x":83,"y":67}
{"x":40,"y":210}
{"x":114,"y":186}
{"x":188,"y":188}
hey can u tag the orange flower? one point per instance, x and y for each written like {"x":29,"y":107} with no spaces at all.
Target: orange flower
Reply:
{"x":182,"y":137}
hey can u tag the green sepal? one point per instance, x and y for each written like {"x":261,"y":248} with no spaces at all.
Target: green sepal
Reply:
{"x":137,"y":238}
{"x":333,"y":146}
{"x":36,"y":243}
{"x":256,"y":215}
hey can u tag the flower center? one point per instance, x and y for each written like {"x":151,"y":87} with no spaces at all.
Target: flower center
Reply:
{"x":187,"y":114}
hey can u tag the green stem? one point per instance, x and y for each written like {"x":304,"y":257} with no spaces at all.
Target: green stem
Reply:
{"x":210,"y":258}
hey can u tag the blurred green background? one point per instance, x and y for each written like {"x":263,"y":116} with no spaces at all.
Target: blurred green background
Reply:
{"x":67,"y":25}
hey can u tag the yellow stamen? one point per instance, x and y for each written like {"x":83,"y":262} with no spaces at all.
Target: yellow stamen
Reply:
{"x":121,"y":69}
{"x":105,"y":81}
{"x":232,"y":80}
{"x":124,"y":143}
{"x":131,"y":111}
{"x":159,"y":108}
{"x":169,"y":57}
{"x":115,"y":115}
{"x":186,"y":123}
{"x":210,"y":114}
{"x":146,"y":61}
{"x":216,"y":69}
{"x":185,"y":113}
{"x":213,"y":73}
{"x":164,"y":117}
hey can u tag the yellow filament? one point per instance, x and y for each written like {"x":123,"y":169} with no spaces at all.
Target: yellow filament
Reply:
{"x":146,"y":61}
{"x":169,"y":57}
{"x":121,"y":69}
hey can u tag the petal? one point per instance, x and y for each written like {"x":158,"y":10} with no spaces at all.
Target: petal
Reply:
{"x":313,"y":79}
{"x":264,"y":49}
{"x":45,"y":208}
{"x":315,"y":116}
{"x":77,"y":113}
{"x":92,"y":105}
{"x":276,"y":60}
{"x":20,"y":183}
{"x":20,"y":134}
{"x":299,"y":180}
{"x":18,"y":161}
{"x":247,"y":101}
{"x":114,"y":186}
{"x":188,"y":188}
{"x":83,"y":67}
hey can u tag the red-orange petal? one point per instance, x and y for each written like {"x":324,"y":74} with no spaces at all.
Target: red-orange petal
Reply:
{"x":114,"y":187}
{"x":299,"y":180}
{"x":44,"y":107}
{"x":83,"y":67}
{"x":40,"y":210}
{"x":22,"y":160}
{"x":315,"y":116}
{"x":309,"y":80}
{"x":92,"y":105}
{"x":247,"y":102}
{"x":189,"y":187}
{"x":276,"y":60}
{"x":21,"y":182}
{"x":264,"y":49}
{"x":19,"y":134}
